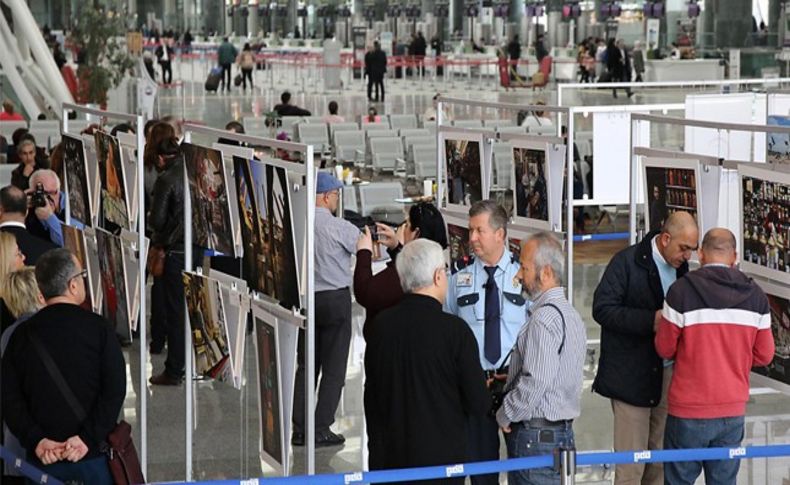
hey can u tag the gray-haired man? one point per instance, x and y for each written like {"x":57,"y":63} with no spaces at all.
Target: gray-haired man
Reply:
{"x":544,"y":383}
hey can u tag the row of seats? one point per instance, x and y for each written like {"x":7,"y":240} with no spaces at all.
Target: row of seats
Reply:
{"x":46,"y":132}
{"x":377,"y":200}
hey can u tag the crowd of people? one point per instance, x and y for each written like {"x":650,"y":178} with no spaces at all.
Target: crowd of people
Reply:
{"x":610,"y":61}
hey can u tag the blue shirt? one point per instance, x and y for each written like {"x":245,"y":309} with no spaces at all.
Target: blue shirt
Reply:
{"x":466,"y":298}
{"x":335,"y":243}
{"x":666,"y":271}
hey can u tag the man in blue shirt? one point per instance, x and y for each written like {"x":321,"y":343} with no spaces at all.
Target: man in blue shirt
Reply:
{"x":335,"y":243}
{"x":486,"y":294}
{"x":45,"y":221}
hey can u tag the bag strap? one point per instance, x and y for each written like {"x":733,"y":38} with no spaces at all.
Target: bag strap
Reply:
{"x":60,"y":381}
{"x":562,"y":344}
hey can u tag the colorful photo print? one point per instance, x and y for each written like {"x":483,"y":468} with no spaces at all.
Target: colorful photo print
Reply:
{"x":532,"y":188}
{"x":463,"y":162}
{"x":269,"y":389}
{"x":282,"y":271}
{"x":460,"y":253}
{"x":115,"y":307}
{"x":669,"y":190}
{"x":74,"y":241}
{"x":766,"y":223}
{"x":207,"y":320}
{"x":253,"y":260}
{"x":515,"y":247}
{"x":778,"y":144}
{"x":76,"y":179}
{"x":210,"y":206}
{"x":779,"y":369}
{"x":114,"y":204}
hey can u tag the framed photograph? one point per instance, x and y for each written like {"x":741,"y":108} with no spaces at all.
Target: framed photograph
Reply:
{"x":251,"y":233}
{"x":131,"y":255}
{"x":765,"y":228}
{"x":779,"y":301}
{"x":94,"y":271}
{"x":778,"y":144}
{"x":128,"y":143}
{"x":229,"y":152}
{"x":458,"y":240}
{"x":208,"y":192}
{"x":92,"y":163}
{"x":464,"y":168}
{"x":74,"y":241}
{"x":531,"y":184}
{"x":76,"y":182}
{"x":273,"y":441}
{"x":114,"y":201}
{"x":671,"y":186}
{"x":207,"y":320}
{"x":115,"y":307}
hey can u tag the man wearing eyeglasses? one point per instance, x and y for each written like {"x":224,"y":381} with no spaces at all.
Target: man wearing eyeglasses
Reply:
{"x":335,"y":243}
{"x":44,"y":218}
{"x":64,"y":378}
{"x":627,"y":305}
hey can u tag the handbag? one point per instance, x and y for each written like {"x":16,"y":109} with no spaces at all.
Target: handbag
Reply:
{"x":156,"y":261}
{"x":237,"y":80}
{"x":122,"y":457}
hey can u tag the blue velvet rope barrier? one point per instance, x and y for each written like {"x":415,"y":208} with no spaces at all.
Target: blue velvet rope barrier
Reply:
{"x":29,"y":471}
{"x":479,"y":468}
{"x":606,"y":236}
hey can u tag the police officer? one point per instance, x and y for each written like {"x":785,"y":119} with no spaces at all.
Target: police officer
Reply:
{"x":487,"y":295}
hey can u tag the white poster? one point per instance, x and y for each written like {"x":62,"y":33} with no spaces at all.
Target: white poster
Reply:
{"x":653,"y":30}
{"x":742,"y":108}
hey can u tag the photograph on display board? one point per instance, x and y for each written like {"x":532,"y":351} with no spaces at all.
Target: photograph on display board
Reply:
{"x":779,"y":369}
{"x":210,"y":206}
{"x":515,"y":247}
{"x":778,"y":144}
{"x":531,"y":183}
{"x":278,"y":229}
{"x":463,"y":158}
{"x":502,"y":176}
{"x":765,"y":208}
{"x":74,"y":241}
{"x":460,"y":252}
{"x":114,"y":204}
{"x":207,"y":320}
{"x":670,"y":187}
{"x":253,"y":259}
{"x":269,"y":391}
{"x":115,"y":307}
{"x":76,"y":179}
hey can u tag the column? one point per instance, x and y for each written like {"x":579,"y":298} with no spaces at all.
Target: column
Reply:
{"x":732,"y":22}
{"x":554,"y":37}
{"x":774,"y":12}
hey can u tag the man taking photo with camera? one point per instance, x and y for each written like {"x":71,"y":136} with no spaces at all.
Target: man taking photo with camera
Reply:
{"x":46,"y":209}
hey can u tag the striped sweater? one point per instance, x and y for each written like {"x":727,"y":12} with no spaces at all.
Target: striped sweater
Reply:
{"x":716,"y":324}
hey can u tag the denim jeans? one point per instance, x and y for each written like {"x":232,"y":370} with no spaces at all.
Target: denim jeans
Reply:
{"x":92,"y":471}
{"x":702,"y":433}
{"x":525,"y":440}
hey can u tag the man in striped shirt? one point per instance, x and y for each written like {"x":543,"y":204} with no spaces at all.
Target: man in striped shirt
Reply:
{"x":544,"y":383}
{"x":716,"y":324}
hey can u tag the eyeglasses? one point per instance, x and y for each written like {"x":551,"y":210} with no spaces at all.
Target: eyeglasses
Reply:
{"x":82,"y":274}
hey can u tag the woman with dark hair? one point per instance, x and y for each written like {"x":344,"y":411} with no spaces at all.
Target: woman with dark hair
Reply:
{"x":246,"y":62}
{"x":383,"y":290}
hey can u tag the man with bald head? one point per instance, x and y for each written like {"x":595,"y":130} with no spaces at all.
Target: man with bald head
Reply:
{"x":716,"y":325}
{"x":627,"y":304}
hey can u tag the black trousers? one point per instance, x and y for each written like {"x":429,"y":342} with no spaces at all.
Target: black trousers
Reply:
{"x":225,"y":76}
{"x":483,"y":445}
{"x":174,"y":314}
{"x":379,"y":83}
{"x":167,"y":72}
{"x":332,"y":341}
{"x":246,"y":74}
{"x":158,"y":313}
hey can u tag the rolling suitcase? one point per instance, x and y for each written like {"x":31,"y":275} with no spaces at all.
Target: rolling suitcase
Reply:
{"x":214,"y":77}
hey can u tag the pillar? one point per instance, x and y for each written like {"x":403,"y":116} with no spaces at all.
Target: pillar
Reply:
{"x":554,"y":37}
{"x":456,"y":16}
{"x":774,"y":12}
{"x":732,"y":22}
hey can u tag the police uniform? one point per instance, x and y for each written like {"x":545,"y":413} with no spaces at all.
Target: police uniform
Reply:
{"x":466,"y":297}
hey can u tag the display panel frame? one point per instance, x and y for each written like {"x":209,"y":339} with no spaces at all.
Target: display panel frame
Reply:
{"x":683,"y":189}
{"x":459,"y":135}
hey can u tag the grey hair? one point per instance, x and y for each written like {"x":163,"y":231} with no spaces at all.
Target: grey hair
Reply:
{"x":54,"y":270}
{"x":417,"y":263}
{"x":23,"y":144}
{"x":549,"y":253}
{"x":497,"y":217}
{"x":43,"y":172}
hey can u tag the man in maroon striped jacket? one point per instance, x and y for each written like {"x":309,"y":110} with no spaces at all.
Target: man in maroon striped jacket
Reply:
{"x":716,"y":324}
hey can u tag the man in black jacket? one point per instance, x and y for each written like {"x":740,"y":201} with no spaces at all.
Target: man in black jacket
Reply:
{"x":424,"y":378}
{"x":64,"y":349}
{"x":166,"y":220}
{"x":13,"y":209}
{"x":164,"y":54}
{"x":285,"y":108}
{"x":376,"y":68}
{"x":627,"y":304}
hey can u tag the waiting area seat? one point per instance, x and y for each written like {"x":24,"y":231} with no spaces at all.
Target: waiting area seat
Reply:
{"x":402,"y":121}
{"x":378,"y":201}
{"x":314,"y":134}
{"x":384,"y":153}
{"x":349,"y":146}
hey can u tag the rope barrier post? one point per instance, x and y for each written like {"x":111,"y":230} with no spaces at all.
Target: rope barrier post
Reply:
{"x":567,"y":465}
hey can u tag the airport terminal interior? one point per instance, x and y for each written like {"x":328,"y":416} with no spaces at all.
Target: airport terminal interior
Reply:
{"x":480,"y":63}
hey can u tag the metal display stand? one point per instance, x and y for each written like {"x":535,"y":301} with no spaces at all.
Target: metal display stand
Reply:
{"x":138,"y":123}
{"x":490,"y":134}
{"x":307,"y":319}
